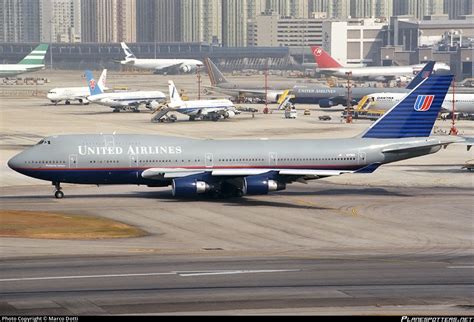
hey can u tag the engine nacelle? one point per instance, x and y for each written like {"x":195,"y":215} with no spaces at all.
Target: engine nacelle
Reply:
{"x":188,"y":187}
{"x":273,"y":97}
{"x":153,"y":104}
{"x":326,"y":103}
{"x":261,"y":185}
{"x":228,"y":114}
{"x":186,"y":68}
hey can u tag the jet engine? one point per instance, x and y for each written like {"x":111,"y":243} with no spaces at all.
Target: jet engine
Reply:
{"x":189,"y":187}
{"x":261,"y":185}
{"x":186,"y":68}
{"x":153,"y":105}
{"x":228,"y":114}
{"x":326,"y":103}
{"x":273,"y":97}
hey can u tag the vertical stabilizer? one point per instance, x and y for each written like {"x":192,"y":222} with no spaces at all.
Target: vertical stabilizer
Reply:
{"x":215,"y":74}
{"x":175,"y":99}
{"x":94,"y":89}
{"x":128,"y":52}
{"x":102,"y":80}
{"x":422,"y":74}
{"x":323,"y":59}
{"x":36,"y":57}
{"x":415,"y":114}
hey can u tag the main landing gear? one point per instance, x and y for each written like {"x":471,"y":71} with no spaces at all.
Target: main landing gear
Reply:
{"x":58,"y":193}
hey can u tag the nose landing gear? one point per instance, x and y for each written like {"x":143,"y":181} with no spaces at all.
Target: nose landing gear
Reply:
{"x":58,"y":193}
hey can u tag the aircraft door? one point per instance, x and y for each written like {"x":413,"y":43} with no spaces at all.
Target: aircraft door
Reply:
{"x":272,"y":158}
{"x":73,"y":161}
{"x":133,"y":161}
{"x":209,"y":160}
{"x":361,"y":158}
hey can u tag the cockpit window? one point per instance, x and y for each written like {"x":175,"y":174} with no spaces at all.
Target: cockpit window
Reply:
{"x":43,"y":142}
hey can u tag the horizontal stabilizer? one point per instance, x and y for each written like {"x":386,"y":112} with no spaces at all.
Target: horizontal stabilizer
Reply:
{"x":370,"y":168}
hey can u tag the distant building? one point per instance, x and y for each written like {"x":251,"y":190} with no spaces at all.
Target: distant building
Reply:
{"x":354,"y":41}
{"x":19,"y":21}
{"x":419,"y":8}
{"x":272,"y":30}
{"x":234,"y":23}
{"x":108,"y":20}
{"x":457,"y":8}
{"x":60,"y":21}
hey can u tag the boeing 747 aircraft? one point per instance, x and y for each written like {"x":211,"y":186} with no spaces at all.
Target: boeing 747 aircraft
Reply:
{"x":120,"y":101}
{"x":329,"y":66}
{"x":80,"y":94}
{"x":32,"y":62}
{"x":159,"y":65}
{"x":196,"y":167}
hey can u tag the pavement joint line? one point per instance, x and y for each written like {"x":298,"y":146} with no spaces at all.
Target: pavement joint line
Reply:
{"x":179,"y":273}
{"x":459,"y":267}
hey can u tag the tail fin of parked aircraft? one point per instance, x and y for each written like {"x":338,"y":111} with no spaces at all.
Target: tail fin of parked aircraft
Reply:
{"x":36,"y":57}
{"x":422,"y":74}
{"x":175,"y":99}
{"x":215,"y":74}
{"x":128,"y":52}
{"x":323,"y":59}
{"x":413,"y":116}
{"x":102,"y":80}
{"x":93,"y":87}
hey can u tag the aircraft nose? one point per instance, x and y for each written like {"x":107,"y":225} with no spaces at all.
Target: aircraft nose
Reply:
{"x":14,"y":163}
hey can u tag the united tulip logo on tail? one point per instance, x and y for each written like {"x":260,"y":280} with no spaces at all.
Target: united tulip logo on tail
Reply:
{"x":423,"y":103}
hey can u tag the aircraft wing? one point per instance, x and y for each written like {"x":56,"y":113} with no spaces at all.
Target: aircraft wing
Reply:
{"x":289,"y":174}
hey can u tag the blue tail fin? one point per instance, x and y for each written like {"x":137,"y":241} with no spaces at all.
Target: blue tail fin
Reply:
{"x":94,"y":88}
{"x":422,"y":74}
{"x":414,"y":116}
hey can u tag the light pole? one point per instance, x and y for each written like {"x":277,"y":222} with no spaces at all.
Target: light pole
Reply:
{"x":51,"y":21}
{"x":349,"y":106}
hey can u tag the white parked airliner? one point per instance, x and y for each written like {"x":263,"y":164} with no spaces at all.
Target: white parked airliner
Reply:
{"x":201,"y":109}
{"x":80,"y":94}
{"x":120,"y":101}
{"x":327,"y":65}
{"x":159,"y":65}
{"x":463,"y":103}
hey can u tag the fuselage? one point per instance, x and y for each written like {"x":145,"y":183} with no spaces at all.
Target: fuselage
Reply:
{"x":197,"y":107}
{"x":121,"y":159}
{"x":118,"y":99}
{"x":186,"y":65}
{"x":379,"y":73}
{"x":68,"y":93}
{"x":7,"y":70}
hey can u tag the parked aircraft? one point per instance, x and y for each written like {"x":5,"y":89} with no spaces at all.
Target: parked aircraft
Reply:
{"x":248,"y":89}
{"x":120,"y":101}
{"x":80,"y":94}
{"x":329,"y":66}
{"x":32,"y":62}
{"x":238,"y":167}
{"x":333,"y":96}
{"x":200,"y":109}
{"x":463,"y":103}
{"x":159,"y":65}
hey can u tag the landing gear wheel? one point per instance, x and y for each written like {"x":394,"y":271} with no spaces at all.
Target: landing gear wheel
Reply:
{"x":59,"y":194}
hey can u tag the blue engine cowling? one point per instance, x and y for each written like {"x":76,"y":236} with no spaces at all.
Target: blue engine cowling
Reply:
{"x":326,"y":103}
{"x":189,"y":187}
{"x":261,"y":185}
